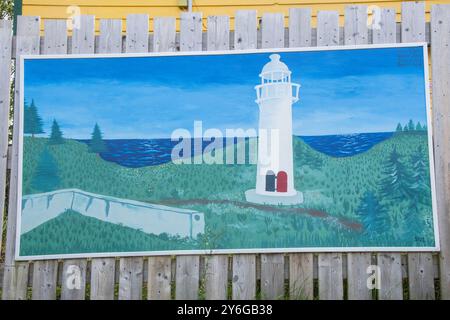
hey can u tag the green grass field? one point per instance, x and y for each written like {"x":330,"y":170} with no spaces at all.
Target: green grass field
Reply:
{"x":377,"y":198}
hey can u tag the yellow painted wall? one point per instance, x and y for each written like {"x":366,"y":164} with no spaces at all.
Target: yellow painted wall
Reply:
{"x":118,"y":9}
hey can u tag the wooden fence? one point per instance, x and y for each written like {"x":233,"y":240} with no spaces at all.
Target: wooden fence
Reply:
{"x":243,"y":276}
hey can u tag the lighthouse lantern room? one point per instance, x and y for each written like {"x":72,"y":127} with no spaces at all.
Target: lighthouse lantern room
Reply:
{"x":275,"y":173}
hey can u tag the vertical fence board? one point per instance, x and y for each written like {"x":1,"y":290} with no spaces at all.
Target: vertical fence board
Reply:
{"x":187,"y":277}
{"x":102,"y":278}
{"x":131,"y":278}
{"x":420,"y":276}
{"x":413,"y":21}
{"x":22,"y":270}
{"x":440,"y":57}
{"x":44,"y":280}
{"x":245,"y":30}
{"x":164,"y":35}
{"x":110,"y":39}
{"x":216,"y":277}
{"x":137,"y":33}
{"x":390,"y":276}
{"x":357,"y":264}
{"x":218,"y":36}
{"x":159,"y":278}
{"x":356,"y":32}
{"x":244,"y":277}
{"x":191,"y":32}
{"x":272,"y":276}
{"x":331,"y":285}
{"x":55,"y":37}
{"x":301,"y":277}
{"x":83,"y":36}
{"x":385,"y":31}
{"x":299,"y":27}
{"x":27,"y":42}
{"x":327,"y":28}
{"x":73,"y":285}
{"x":5,"y":78}
{"x":355,"y":29}
{"x":272,"y":30}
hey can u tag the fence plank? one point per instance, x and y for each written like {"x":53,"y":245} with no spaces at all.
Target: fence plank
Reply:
{"x":244,"y":277}
{"x":5,"y":78}
{"x":83,"y":37}
{"x":245,"y":30}
{"x":413,"y":22}
{"x":355,"y":29}
{"x":440,"y":56}
{"x":159,"y":278}
{"x":55,"y":37}
{"x":420,"y":276}
{"x":44,"y":280}
{"x":164,"y":35}
{"x":73,"y":285}
{"x":385,"y":31}
{"x":187,"y":277}
{"x":131,"y":278}
{"x":102,"y":278}
{"x":272,"y":276}
{"x":137,"y":33}
{"x":216,"y":277}
{"x":191,"y":31}
{"x":390,"y":276}
{"x":301,"y":277}
{"x":272,"y":30}
{"x":327,"y":28}
{"x":357,"y":264}
{"x":299,"y":27}
{"x":331,"y":285}
{"x":27,"y":42}
{"x":110,"y":39}
{"x":218,"y":36}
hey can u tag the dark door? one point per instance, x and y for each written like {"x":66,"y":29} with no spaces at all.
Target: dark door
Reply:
{"x":270,"y":181}
{"x":282,"y":181}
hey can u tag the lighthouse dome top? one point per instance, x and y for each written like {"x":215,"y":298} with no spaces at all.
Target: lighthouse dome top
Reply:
{"x":275,"y":69}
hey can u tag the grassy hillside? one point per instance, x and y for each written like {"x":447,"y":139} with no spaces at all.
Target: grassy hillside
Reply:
{"x":355,"y":189}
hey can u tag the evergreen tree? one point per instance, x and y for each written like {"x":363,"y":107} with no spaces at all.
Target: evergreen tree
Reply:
{"x":424,"y":127}
{"x":418,"y":126}
{"x":97,"y":144}
{"x":45,"y":177}
{"x":32,"y":120}
{"x":372,"y":214}
{"x":411,"y":126}
{"x":420,"y":177}
{"x":56,"y":136}
{"x":399,"y":128}
{"x":405,"y":128}
{"x":396,"y":179}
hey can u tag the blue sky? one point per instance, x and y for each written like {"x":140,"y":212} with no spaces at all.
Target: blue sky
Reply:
{"x":344,"y":91}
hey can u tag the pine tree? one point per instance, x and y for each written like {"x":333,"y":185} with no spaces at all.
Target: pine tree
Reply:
{"x":418,"y":126}
{"x":97,"y":145}
{"x":372,"y":214}
{"x":396,"y":180}
{"x":45,"y":177}
{"x":56,"y":136}
{"x":420,"y":177}
{"x":399,"y":128}
{"x":32,"y":120}
{"x":405,"y":128}
{"x":411,"y":126}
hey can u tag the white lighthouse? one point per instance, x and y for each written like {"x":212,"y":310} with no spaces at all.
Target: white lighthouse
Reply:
{"x":275,"y":170}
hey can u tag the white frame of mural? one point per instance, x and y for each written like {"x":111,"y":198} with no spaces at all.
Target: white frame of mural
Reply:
{"x":424,"y":45}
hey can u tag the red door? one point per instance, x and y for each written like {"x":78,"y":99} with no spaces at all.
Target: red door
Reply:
{"x":282,"y":181}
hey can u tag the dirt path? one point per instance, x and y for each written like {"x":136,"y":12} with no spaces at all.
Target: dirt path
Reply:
{"x":353,"y":225}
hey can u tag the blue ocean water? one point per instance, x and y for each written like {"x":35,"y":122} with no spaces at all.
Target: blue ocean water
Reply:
{"x":136,"y":153}
{"x":345,"y":145}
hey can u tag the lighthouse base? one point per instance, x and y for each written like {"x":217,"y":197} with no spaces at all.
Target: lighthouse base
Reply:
{"x":274,"y":198}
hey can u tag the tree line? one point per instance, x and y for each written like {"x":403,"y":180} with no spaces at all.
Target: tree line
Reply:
{"x":410,"y":126}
